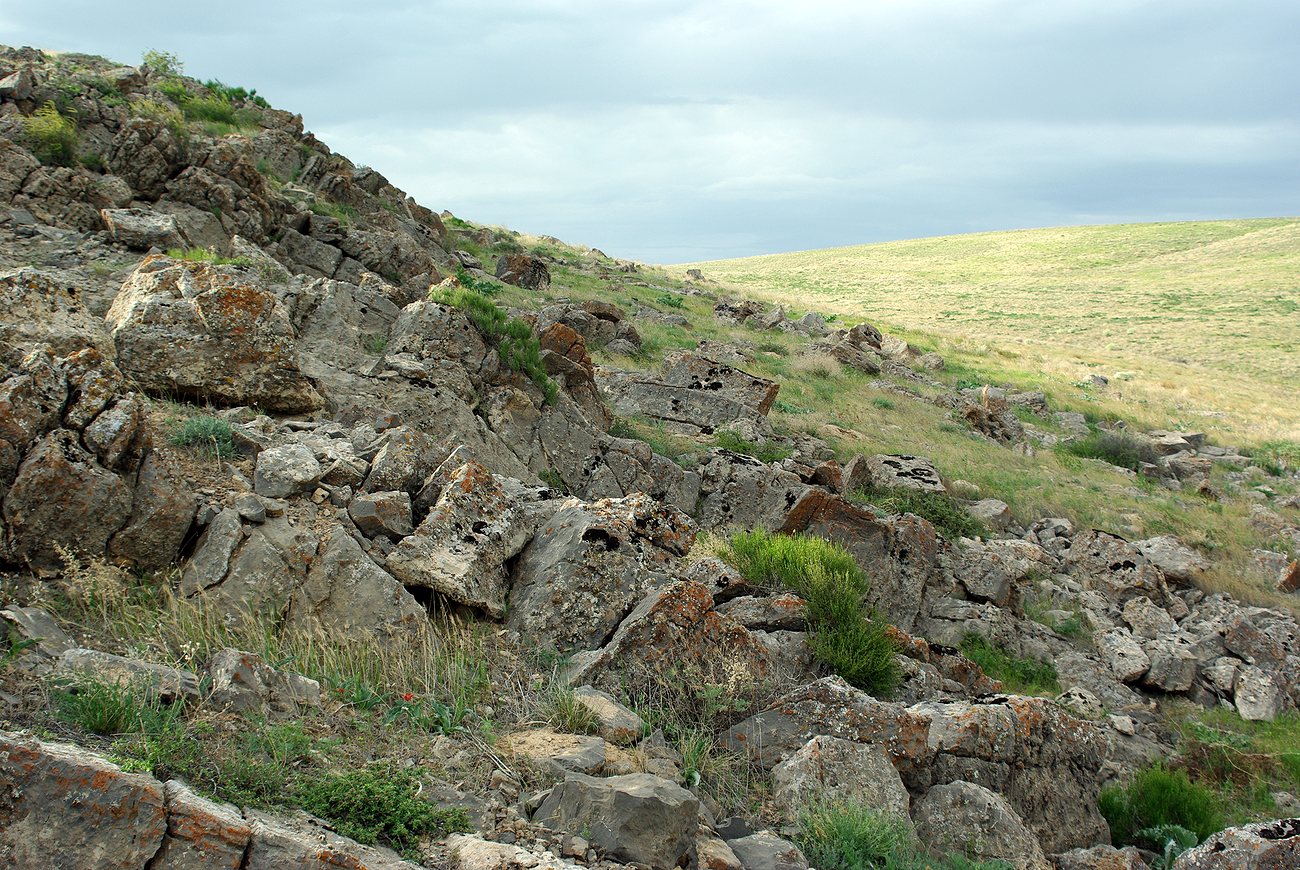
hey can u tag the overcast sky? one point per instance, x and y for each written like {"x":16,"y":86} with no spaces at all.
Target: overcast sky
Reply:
{"x":676,"y":130}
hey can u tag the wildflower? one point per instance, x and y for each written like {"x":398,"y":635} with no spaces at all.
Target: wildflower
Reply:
{"x":408,"y":697}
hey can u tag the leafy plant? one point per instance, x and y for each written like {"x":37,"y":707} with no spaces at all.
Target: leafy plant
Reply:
{"x":671,"y":300}
{"x":942,"y":510}
{"x":1159,"y":797}
{"x":1025,"y":676}
{"x":1176,"y":840}
{"x":1117,"y":448}
{"x":162,"y":63}
{"x":51,"y":136}
{"x":211,"y":435}
{"x":232,"y":94}
{"x":380,"y":804}
{"x":471,"y":282}
{"x":853,"y":836}
{"x":834,"y":588}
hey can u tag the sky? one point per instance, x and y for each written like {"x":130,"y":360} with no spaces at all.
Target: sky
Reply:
{"x":681,"y":130}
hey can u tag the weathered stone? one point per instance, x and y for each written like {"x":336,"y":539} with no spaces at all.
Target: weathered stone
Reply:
{"x":637,"y":817}
{"x":904,"y":472}
{"x":991,"y":513}
{"x":405,"y":461}
{"x":1271,"y":845}
{"x":346,"y":592}
{"x":524,"y":270}
{"x":119,"y":436}
{"x":616,"y":723}
{"x":1116,"y":568}
{"x":145,"y":153}
{"x":469,"y":852}
{"x":461,"y":548}
{"x":37,"y":626}
{"x":64,"y":807}
{"x":561,"y":752}
{"x":382,"y":513}
{"x":766,"y":851}
{"x":1178,"y":561}
{"x":45,"y":309}
{"x":141,"y":229}
{"x":784,"y":612}
{"x":61,"y":498}
{"x":1081,"y":703}
{"x":1257,"y":696}
{"x":201,"y":834}
{"x":1173,"y":666}
{"x":162,"y":511}
{"x":1100,"y":858}
{"x":589,"y":565}
{"x":280,"y":843}
{"x":243,"y":683}
{"x":170,"y":684}
{"x":831,"y":770}
{"x":210,"y":333}
{"x":283,"y":471}
{"x":968,"y":818}
{"x":211,"y":559}
{"x":1147,"y":620}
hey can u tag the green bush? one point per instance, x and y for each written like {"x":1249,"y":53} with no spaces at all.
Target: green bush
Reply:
{"x":380,"y":805}
{"x":206,"y":255}
{"x":728,"y":439}
{"x":51,"y":137}
{"x":232,"y":94}
{"x":211,"y":435}
{"x":671,"y":300}
{"x":1023,"y":676}
{"x":1117,"y":448}
{"x":162,"y":63}
{"x":942,"y":510}
{"x":514,"y":340}
{"x":1158,"y":796}
{"x":834,"y":587}
{"x":111,"y":708}
{"x":1276,"y":457}
{"x":858,"y":837}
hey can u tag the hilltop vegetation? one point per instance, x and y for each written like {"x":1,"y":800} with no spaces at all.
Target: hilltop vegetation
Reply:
{"x":1201,"y":314}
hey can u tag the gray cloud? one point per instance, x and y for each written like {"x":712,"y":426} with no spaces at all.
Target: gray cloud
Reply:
{"x":672,"y":130}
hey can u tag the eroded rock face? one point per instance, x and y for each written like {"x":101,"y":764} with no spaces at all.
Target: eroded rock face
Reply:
{"x":690,"y":394}
{"x":66,"y":807}
{"x":208,"y":333}
{"x":904,"y":472}
{"x":43,"y":309}
{"x":589,"y":565}
{"x":638,"y":817}
{"x":968,"y":818}
{"x":524,"y":270}
{"x":1262,"y":846}
{"x":829,"y":769}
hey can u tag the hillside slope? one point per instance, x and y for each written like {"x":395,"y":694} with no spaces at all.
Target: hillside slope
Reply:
{"x":1206,"y":300}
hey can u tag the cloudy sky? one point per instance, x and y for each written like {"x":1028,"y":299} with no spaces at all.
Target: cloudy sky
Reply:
{"x":676,"y":130}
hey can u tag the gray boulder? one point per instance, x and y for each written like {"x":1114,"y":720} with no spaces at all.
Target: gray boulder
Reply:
{"x":766,"y":851}
{"x":141,"y":229}
{"x":968,"y":818}
{"x":290,"y":469}
{"x":637,"y":817}
{"x":904,"y":472}
{"x":1271,"y":845}
{"x":346,"y":592}
{"x":828,"y":769}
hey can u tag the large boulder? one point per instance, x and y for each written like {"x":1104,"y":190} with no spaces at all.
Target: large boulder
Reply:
{"x":461,"y":548}
{"x":691,"y":394}
{"x":1271,"y":845}
{"x":589,"y":565}
{"x":524,"y":270}
{"x":141,"y":229}
{"x":828,"y":769}
{"x":48,"y":309}
{"x":209,"y":333}
{"x":200,"y":833}
{"x":346,"y":592}
{"x":633,"y":818}
{"x":64,"y":807}
{"x":899,"y":471}
{"x":968,"y":818}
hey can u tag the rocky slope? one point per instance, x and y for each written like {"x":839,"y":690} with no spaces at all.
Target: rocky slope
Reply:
{"x":385,"y":455}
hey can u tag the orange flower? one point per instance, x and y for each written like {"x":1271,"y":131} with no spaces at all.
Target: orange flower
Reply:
{"x":408,"y":697}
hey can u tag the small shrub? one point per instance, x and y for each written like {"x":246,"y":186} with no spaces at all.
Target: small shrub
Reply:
{"x":1156,"y":797}
{"x":834,"y":588}
{"x":105,"y":708}
{"x":565,"y":713}
{"x":882,"y":403}
{"x":210,"y":107}
{"x":162,"y":63}
{"x":551,"y":478}
{"x":851,"y":836}
{"x":51,"y":136}
{"x":168,"y":116}
{"x":380,"y":805}
{"x":211,"y":435}
{"x":206,"y":255}
{"x":375,"y":344}
{"x":516,"y":345}
{"x":1117,"y":448}
{"x":1276,"y":457}
{"x":671,"y":300}
{"x":344,"y":214}
{"x":471,"y":282}
{"x":1025,"y":676}
{"x":729,"y":439}
{"x":232,"y":94}
{"x":942,"y":510}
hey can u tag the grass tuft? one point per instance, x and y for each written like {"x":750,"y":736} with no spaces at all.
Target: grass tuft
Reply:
{"x":1022,"y":676}
{"x":1117,"y":448}
{"x":212,"y":436}
{"x":942,"y":510}
{"x":1156,"y":797}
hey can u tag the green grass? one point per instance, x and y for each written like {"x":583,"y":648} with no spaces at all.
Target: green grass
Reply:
{"x":1244,"y":762}
{"x":1021,"y":676}
{"x":380,"y":805}
{"x":344,"y":214}
{"x":942,"y":510}
{"x":1159,"y":797}
{"x":206,"y":255}
{"x":212,"y":436}
{"x":51,"y":136}
{"x":834,"y":588}
{"x":514,"y":339}
{"x":1117,"y":448}
{"x":765,"y":451}
{"x":849,"y":836}
{"x":108,"y":709}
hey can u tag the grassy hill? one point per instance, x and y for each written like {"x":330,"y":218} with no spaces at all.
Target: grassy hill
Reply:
{"x":1200,"y":318}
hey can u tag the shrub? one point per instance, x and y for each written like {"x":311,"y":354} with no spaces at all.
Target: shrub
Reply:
{"x":108,"y":708}
{"x":379,"y":805}
{"x":671,"y":300}
{"x":1275,"y":457}
{"x":942,"y":510}
{"x":165,"y":114}
{"x":162,"y":63}
{"x":232,"y":94}
{"x":211,"y":435}
{"x":1117,"y":448}
{"x":1158,"y":796}
{"x":833,"y":587}
{"x":516,"y":345}
{"x":478,"y":285}
{"x":850,"y":836}
{"x":729,"y":439}
{"x":206,"y":255}
{"x":52,"y":137}
{"x":1025,"y":676}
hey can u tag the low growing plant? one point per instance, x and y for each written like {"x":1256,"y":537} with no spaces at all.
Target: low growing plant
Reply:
{"x":852,"y":836}
{"x":516,"y":345}
{"x":212,"y":436}
{"x":51,"y":136}
{"x":1024,"y":676}
{"x":1117,"y":448}
{"x":942,"y":510}
{"x":766,"y":451}
{"x":1159,"y":796}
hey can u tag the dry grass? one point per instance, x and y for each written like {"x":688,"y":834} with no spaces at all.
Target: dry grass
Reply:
{"x":1201,"y":313}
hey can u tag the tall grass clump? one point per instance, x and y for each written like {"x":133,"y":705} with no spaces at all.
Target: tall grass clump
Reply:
{"x":851,"y":836}
{"x":943,"y":511}
{"x":212,"y":436}
{"x":1159,"y":797}
{"x":1117,"y":448}
{"x":514,"y":340}
{"x":765,"y":451}
{"x":1023,"y":676}
{"x":51,"y":136}
{"x":824,"y":574}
